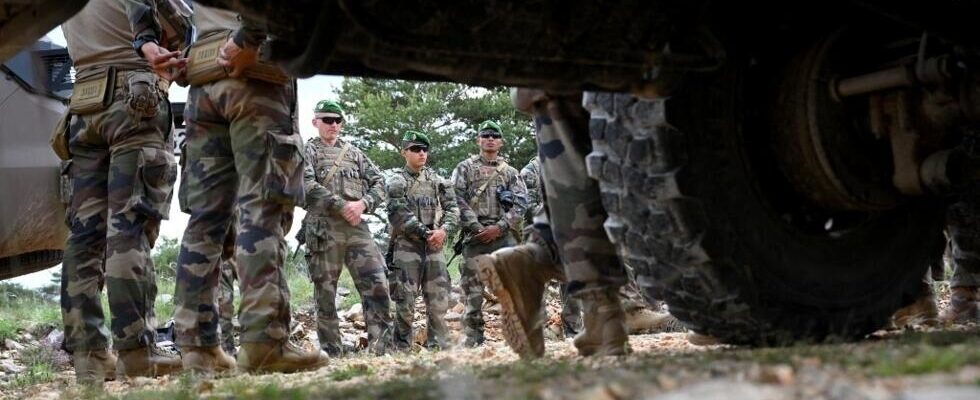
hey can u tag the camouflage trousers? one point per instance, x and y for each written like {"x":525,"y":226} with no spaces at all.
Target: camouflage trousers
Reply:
{"x":226,"y":295}
{"x":416,"y":269}
{"x":575,"y":228}
{"x":472,"y":286}
{"x":963,"y":225}
{"x":242,"y":155}
{"x":122,"y":173}
{"x":332,"y":243}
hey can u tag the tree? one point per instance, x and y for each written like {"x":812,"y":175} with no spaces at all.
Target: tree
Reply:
{"x":379,"y":111}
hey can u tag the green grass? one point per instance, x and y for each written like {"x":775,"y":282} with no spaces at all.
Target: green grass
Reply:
{"x":350,"y":372}
{"x":40,"y":367}
{"x":25,"y":309}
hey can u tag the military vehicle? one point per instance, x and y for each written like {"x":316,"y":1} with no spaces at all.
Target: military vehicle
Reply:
{"x":774,"y":171}
{"x":34,"y":93}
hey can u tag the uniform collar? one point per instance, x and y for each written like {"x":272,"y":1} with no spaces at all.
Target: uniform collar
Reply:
{"x":495,"y":161}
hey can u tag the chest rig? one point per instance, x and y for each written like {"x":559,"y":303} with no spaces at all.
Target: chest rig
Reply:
{"x":423,"y":193}
{"x":482,"y":183}
{"x":337,"y":170}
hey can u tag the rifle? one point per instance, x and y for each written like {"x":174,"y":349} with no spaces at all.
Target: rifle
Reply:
{"x":300,"y":238}
{"x":457,"y":248}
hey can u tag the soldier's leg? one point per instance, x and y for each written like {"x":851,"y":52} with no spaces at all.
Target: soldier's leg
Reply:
{"x":406,"y":270}
{"x":81,"y":270}
{"x":366,"y":265}
{"x":592,"y":267}
{"x":469,"y":281}
{"x":209,"y":194}
{"x":964,"y":234}
{"x":226,"y":301}
{"x":435,"y":291}
{"x":325,"y":259}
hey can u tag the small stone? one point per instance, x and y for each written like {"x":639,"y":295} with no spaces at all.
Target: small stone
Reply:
{"x":495,"y":309}
{"x":9,"y":367}
{"x":452,"y":316}
{"x":12,"y":345}
{"x":355,"y":313}
{"x":778,"y":374}
{"x":165,"y":298}
{"x":666,"y":382}
{"x":942,"y":393}
{"x":343,"y":292}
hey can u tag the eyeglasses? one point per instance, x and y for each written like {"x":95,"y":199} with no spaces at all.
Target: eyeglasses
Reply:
{"x":417,"y":149}
{"x":331,"y":120}
{"x":487,"y":135}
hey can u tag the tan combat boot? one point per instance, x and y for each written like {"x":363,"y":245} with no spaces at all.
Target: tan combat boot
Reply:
{"x":206,"y":360}
{"x":147,"y":361}
{"x":921,"y":312}
{"x":963,"y":306}
{"x":604,"y":330}
{"x":278,"y":357}
{"x":93,"y":367}
{"x":517,"y":276}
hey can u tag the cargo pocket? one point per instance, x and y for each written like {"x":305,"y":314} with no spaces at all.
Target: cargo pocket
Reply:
{"x":153,"y":187}
{"x":283,"y":182}
{"x":144,"y":96}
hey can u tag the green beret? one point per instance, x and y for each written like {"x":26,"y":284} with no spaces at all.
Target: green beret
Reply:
{"x":325,"y":107}
{"x":411,"y":138}
{"x":489,"y":125}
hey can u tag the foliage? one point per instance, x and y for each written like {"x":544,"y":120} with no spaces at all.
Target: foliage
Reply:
{"x":164,"y":257}
{"x":380,"y":110}
{"x":22,"y":308}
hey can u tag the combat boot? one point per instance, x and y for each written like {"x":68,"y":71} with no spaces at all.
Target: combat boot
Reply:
{"x":147,"y":361}
{"x":517,"y":276}
{"x":206,"y":360}
{"x":278,"y":357}
{"x":923,"y":311}
{"x":604,"y":330}
{"x":963,"y":306}
{"x":93,"y":367}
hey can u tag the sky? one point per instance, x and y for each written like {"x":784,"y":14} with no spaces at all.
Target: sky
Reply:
{"x":310,"y":92}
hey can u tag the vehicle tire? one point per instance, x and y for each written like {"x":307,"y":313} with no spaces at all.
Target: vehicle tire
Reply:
{"x":26,"y":263}
{"x":700,"y":210}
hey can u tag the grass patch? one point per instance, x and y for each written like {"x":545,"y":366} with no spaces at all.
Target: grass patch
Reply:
{"x":925,"y":361}
{"x":40,"y":367}
{"x":165,"y":309}
{"x":350,"y":372}
{"x":25,"y":309}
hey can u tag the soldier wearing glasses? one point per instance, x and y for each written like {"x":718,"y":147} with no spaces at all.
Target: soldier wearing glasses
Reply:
{"x":342,"y":184}
{"x":492,"y":199}
{"x":422,"y":210}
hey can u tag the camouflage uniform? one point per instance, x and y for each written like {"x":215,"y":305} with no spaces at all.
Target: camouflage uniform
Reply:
{"x":419,"y":202}
{"x":226,"y":300}
{"x":122,"y":170}
{"x":571,"y":311}
{"x":242,"y":155}
{"x":467,"y":178}
{"x":332,"y":242}
{"x":576,"y":227}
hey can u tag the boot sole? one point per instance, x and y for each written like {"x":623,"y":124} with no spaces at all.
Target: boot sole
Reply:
{"x":511,"y":326}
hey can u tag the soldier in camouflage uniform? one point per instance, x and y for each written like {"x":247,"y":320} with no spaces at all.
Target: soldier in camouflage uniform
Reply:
{"x":226,"y":296}
{"x":485,"y":185}
{"x":571,"y":312}
{"x":422,"y":211}
{"x":341,"y":185}
{"x":242,"y":155}
{"x":569,"y":243}
{"x":122,"y":175}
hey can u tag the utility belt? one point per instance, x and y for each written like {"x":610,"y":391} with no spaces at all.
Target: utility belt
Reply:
{"x":203,"y":67}
{"x":97,"y":91}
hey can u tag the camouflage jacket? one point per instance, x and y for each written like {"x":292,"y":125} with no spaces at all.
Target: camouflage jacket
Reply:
{"x":420,"y":201}
{"x":357,"y":178}
{"x":474,"y":213}
{"x":529,"y":174}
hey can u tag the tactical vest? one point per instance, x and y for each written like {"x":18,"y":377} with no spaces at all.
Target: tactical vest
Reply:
{"x":486,"y":206}
{"x":347,"y":181}
{"x":423,"y":193}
